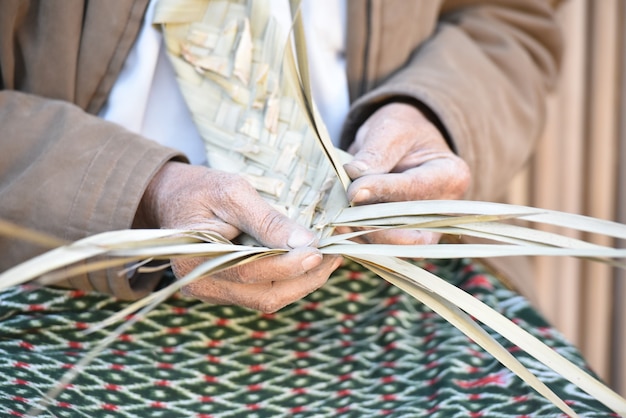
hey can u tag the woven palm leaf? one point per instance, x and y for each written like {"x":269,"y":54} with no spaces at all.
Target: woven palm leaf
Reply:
{"x":247,"y":106}
{"x":249,"y":95}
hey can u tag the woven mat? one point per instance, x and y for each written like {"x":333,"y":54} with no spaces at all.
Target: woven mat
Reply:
{"x":355,"y":348}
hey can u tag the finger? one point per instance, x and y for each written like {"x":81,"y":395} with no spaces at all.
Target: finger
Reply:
{"x":393,"y":236}
{"x":436,"y":179}
{"x":266,"y":297}
{"x":402,"y":237}
{"x":381,"y":147}
{"x":278,"y":268}
{"x":387,"y":136}
{"x":182,"y":266}
{"x":286,"y":266}
{"x":243,"y":207}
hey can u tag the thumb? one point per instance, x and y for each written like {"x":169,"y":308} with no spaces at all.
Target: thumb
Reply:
{"x":379,"y":152}
{"x":253,"y":215}
{"x":376,"y":157}
{"x":276,"y":230}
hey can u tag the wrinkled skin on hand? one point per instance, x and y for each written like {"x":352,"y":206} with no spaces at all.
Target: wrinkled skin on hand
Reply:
{"x":399,"y":155}
{"x":193,"y":197}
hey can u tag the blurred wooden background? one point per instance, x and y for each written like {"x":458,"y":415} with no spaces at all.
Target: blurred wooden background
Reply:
{"x":580,"y":167}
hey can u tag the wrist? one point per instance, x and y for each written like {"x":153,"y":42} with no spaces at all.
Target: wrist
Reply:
{"x":147,"y":214}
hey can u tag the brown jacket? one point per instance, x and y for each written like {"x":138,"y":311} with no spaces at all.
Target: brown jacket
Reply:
{"x":481,"y":67}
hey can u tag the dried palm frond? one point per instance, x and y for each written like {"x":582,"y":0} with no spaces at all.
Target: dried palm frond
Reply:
{"x":249,"y":94}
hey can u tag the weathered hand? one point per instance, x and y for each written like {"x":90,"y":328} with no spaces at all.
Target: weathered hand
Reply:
{"x":399,"y":155}
{"x":194,"y":197}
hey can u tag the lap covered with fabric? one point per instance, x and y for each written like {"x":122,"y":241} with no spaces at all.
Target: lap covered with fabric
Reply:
{"x":356,"y":347}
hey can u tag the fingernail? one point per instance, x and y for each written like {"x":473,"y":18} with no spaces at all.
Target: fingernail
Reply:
{"x":300,"y":239}
{"x":362,"y":195}
{"x":355,"y":169}
{"x":311,"y":262}
{"x":359,"y":165}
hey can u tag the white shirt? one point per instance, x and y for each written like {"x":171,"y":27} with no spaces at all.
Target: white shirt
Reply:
{"x":146,"y":100}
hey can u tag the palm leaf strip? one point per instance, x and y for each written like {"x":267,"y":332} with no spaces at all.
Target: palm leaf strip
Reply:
{"x":328,"y":211}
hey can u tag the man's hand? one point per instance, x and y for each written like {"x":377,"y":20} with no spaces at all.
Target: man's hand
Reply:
{"x":193,"y":197}
{"x":399,"y":155}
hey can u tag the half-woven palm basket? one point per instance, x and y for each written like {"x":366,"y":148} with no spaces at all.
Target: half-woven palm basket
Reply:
{"x":249,"y":97}
{"x":229,"y":57}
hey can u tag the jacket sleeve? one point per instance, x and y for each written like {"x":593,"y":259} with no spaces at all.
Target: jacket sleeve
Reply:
{"x":70,"y":174}
{"x":484,"y":73}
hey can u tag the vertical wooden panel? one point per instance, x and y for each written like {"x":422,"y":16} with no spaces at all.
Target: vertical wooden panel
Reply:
{"x":571,"y":138}
{"x":618,"y":346}
{"x":543,"y":189}
{"x":601,"y":177}
{"x":556,"y":172}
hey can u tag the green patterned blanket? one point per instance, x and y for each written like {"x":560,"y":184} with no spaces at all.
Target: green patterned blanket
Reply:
{"x":358,"y":347}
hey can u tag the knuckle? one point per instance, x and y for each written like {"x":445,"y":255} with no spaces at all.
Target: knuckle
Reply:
{"x":205,"y":289}
{"x":228,"y":187}
{"x":240,"y":274}
{"x":182,"y":266}
{"x":370,"y":155}
{"x":270,"y":303}
{"x":271,"y":222}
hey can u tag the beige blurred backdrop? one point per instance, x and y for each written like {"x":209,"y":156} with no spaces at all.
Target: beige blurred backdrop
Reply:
{"x":580,"y":167}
